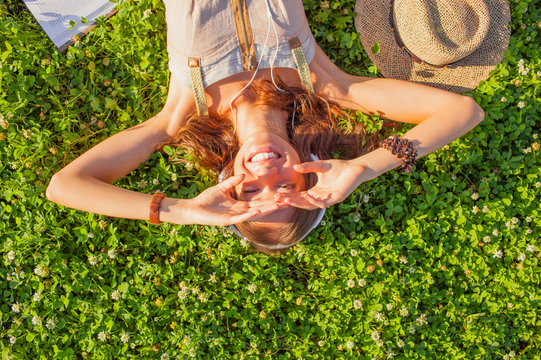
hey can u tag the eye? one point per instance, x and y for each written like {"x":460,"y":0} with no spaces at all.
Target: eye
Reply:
{"x":285,"y":186}
{"x":250,"y":190}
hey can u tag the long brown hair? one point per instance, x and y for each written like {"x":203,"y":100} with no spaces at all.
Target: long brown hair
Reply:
{"x":316,"y":130}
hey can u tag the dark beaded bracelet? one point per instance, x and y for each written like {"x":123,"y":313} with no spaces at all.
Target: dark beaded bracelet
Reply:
{"x":402,"y":149}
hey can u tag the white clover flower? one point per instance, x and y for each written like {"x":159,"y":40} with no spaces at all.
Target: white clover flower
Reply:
{"x":244,"y":242}
{"x":38,"y":270}
{"x":173,"y":177}
{"x":475,"y":209}
{"x":125,"y":337}
{"x":529,"y":231}
{"x":389,"y":306}
{"x":411,"y":329}
{"x":412,"y":269}
{"x":421,"y":320}
{"x":50,"y":323}
{"x":155,"y":181}
{"x":521,"y":257}
{"x":475,"y":196}
{"x":374,"y":335}
{"x":357,"y":304}
{"x":400,"y":343}
{"x":353,"y":252}
{"x":514,"y":220}
{"x":141,"y":184}
{"x":530,"y":248}
{"x":111,"y":253}
{"x":404,"y":312}
{"x":115,"y":295}
{"x":524,"y":71}
{"x":92,"y":259}
{"x":350,"y":283}
{"x":252,"y":288}
{"x":350,"y":344}
{"x":11,"y":255}
{"x":146,"y":13}
{"x":497,"y":253}
{"x":27,"y":134}
{"x":520,"y":63}
{"x":196,"y":290}
{"x":379,"y":342}
{"x":16,"y":307}
{"x":521,"y":104}
{"x":361,"y":282}
{"x":203,"y":297}
{"x":165,"y":356}
{"x":182,"y":294}
{"x":192,"y":352}
{"x":379,"y":316}
{"x":495,"y":232}
{"x":36,"y":297}
{"x":90,"y":235}
{"x":36,"y":320}
{"x":12,"y":340}
{"x":102,"y":336}
{"x":366,"y":198}
{"x":538,"y":184}
{"x":403,"y":259}
{"x":503,"y":99}
{"x":486,"y":239}
{"x":212,"y":278}
{"x":390,"y":354}
{"x":485,"y":209}
{"x":528,"y":219}
{"x":321,"y":343}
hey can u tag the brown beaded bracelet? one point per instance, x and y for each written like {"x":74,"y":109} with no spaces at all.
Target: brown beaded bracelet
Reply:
{"x":402,"y":149}
{"x":155,"y":204}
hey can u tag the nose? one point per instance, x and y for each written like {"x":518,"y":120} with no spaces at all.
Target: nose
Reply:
{"x":264,"y":171}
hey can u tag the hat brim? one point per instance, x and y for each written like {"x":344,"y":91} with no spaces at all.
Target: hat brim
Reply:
{"x":372,"y":23}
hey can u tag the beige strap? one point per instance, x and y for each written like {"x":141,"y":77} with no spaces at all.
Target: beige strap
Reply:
{"x":302,"y":64}
{"x":244,"y":35}
{"x":197,"y":86}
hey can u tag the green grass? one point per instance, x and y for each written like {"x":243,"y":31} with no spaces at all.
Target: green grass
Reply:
{"x":405,"y":266}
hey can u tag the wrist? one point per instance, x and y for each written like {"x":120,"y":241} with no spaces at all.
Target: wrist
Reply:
{"x":376,"y":162}
{"x":174,"y":211}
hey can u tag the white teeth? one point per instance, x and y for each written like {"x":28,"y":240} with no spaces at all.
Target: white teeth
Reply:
{"x":264,"y":156}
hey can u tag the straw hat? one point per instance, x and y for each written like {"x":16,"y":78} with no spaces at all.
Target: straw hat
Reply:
{"x":449,"y":44}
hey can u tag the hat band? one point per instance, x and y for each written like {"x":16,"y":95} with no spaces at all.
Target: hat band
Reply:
{"x":402,"y":46}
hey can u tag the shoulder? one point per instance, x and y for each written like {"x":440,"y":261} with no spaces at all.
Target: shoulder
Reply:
{"x":329,"y":81}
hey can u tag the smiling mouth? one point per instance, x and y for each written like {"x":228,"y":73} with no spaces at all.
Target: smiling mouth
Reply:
{"x":264,"y":156}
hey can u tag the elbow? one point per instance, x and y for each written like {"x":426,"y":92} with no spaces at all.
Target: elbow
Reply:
{"x":477,"y":114}
{"x":54,"y":189}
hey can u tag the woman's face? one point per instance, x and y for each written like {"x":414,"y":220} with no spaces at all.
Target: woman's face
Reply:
{"x":267,"y":160}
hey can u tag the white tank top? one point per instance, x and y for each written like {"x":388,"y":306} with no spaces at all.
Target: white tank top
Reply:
{"x":206,"y":29}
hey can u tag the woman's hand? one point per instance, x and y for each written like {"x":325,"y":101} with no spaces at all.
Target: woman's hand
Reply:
{"x":336,"y":179}
{"x":215,"y":206}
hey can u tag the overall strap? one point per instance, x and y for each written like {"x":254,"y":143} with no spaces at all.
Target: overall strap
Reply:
{"x":302,"y":64}
{"x":197,"y":86}
{"x":244,"y":35}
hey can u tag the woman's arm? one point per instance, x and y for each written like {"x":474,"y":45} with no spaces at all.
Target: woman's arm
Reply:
{"x":85,"y":183}
{"x":440,"y":117}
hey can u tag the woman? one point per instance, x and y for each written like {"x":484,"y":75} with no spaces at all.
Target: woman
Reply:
{"x":261,"y":126}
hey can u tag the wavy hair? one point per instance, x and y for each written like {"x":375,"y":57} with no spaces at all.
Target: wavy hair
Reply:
{"x":317,"y":130}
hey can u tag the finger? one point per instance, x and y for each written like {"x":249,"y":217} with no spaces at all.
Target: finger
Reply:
{"x":298,"y":201}
{"x":247,"y":216}
{"x":312,"y":166}
{"x":315,"y":201}
{"x":231,"y":182}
